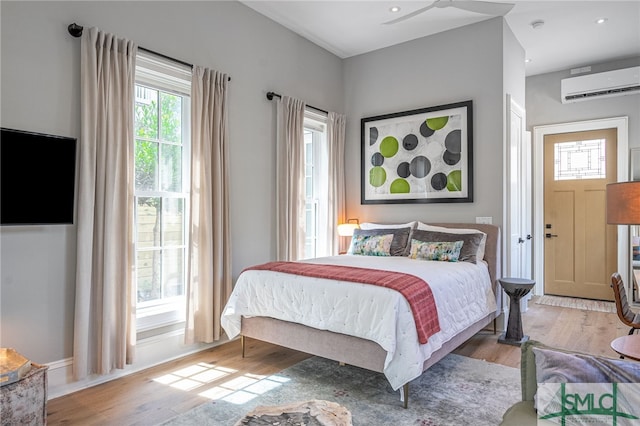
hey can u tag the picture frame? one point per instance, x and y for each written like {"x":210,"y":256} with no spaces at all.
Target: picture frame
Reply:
{"x":418,"y":156}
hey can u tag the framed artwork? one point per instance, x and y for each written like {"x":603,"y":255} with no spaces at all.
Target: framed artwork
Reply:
{"x":419,"y":156}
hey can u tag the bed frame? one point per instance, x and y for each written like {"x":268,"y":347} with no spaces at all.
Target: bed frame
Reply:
{"x":367,"y":353}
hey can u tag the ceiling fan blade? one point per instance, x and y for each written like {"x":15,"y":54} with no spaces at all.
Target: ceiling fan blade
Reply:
{"x":485,"y":7}
{"x":412,"y":14}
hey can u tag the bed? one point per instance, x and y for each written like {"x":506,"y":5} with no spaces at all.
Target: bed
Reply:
{"x":368,"y":333}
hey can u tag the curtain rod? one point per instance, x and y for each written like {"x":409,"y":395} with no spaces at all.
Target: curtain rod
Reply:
{"x":76,"y":31}
{"x":270,"y":96}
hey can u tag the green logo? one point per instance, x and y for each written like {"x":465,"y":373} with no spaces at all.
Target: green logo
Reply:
{"x":595,"y":403}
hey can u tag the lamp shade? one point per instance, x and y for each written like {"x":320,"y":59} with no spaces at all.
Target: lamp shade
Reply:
{"x":623,"y":203}
{"x":346,"y":229}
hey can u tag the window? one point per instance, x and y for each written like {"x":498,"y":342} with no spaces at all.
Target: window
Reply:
{"x":162,"y":160}
{"x":580,"y":160}
{"x":316,"y":177}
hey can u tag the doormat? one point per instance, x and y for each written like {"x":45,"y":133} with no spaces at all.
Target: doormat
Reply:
{"x":576,"y":303}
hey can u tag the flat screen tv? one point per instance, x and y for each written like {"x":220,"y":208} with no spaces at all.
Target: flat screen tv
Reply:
{"x":37,"y":178}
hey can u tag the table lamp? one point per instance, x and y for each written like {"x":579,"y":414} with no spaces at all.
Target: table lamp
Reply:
{"x":346,"y":229}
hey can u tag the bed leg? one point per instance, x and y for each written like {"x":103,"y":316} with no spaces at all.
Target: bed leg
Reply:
{"x":405,"y":395}
{"x":242,"y":344}
{"x":495,"y":326}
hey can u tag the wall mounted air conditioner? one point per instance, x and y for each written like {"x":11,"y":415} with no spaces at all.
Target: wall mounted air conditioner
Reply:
{"x":600,"y":85}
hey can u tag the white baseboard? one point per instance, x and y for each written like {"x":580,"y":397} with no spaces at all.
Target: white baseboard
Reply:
{"x":149,"y":352}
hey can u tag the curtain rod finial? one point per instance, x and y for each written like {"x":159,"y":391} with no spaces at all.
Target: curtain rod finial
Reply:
{"x":75,"y":29}
{"x":271,"y":95}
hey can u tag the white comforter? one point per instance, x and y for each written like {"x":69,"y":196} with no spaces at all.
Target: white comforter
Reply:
{"x":462,"y":292}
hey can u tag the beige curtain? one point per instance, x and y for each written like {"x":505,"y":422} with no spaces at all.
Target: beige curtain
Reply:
{"x":290,"y":179}
{"x":104,"y":326}
{"x":336,"y":124}
{"x":209,"y":275}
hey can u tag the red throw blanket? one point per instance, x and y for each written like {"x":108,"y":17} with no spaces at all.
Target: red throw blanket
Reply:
{"x":414,"y":289}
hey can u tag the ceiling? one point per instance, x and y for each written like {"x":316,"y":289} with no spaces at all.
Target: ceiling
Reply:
{"x":569,"y":37}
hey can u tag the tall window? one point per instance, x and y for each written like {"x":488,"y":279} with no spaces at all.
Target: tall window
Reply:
{"x":161,"y":190}
{"x":316,"y":177}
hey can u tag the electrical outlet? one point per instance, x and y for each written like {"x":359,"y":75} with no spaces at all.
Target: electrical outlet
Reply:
{"x":484,"y":219}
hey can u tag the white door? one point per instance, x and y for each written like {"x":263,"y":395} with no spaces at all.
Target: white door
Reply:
{"x":518,"y":226}
{"x":527,"y":229}
{"x":519,"y":195}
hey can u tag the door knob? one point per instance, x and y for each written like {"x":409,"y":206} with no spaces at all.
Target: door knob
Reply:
{"x":520,"y":241}
{"x":550,"y":235}
{"x":529,"y":236}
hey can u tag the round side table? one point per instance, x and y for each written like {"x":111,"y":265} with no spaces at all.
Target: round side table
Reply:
{"x":627,"y":346}
{"x":516,"y":288}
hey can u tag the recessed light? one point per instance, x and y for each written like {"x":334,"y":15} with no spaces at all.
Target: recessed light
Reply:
{"x":394,"y":9}
{"x":601,"y":20}
{"x":538,"y":23}
{"x":526,"y":61}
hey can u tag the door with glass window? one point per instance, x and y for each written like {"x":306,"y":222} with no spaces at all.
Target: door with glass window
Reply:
{"x":580,"y":249}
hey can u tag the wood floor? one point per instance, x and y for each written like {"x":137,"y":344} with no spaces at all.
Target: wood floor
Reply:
{"x":162,"y":392}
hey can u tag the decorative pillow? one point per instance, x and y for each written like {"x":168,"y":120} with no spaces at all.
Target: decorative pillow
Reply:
{"x":399,"y":244}
{"x":560,"y":367}
{"x":576,"y":374}
{"x":481,"y":248}
{"x":371,"y":245}
{"x":470,"y":248}
{"x":444,"y":251}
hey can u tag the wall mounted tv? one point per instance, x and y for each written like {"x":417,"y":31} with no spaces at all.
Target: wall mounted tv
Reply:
{"x":37,"y":178}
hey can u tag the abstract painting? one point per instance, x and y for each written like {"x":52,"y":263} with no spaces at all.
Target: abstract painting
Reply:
{"x":418,"y":156}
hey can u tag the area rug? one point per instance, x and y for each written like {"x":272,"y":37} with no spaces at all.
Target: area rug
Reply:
{"x":455,"y":391}
{"x":576,"y":303}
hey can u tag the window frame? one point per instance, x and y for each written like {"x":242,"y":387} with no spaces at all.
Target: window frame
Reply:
{"x":563,"y":156}
{"x":168,"y":77}
{"x":317,"y":125}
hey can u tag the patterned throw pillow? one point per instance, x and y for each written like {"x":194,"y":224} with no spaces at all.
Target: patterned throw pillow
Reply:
{"x":371,"y":245}
{"x":481,"y":248}
{"x":470,"y":247}
{"x":399,"y":243}
{"x":448,"y":251}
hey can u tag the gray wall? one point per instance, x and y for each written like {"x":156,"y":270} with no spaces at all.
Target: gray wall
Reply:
{"x":41,"y":92}
{"x":513,"y":75}
{"x":458,"y":65}
{"x":544,"y":105}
